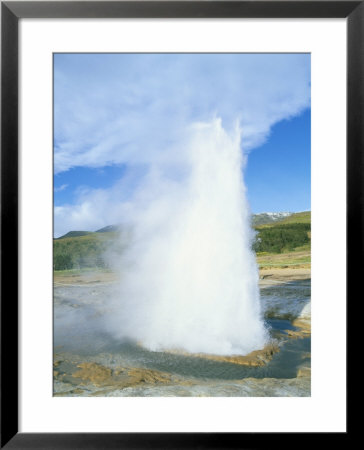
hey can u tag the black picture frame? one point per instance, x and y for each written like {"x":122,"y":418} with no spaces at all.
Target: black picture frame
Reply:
{"x":11,"y":12}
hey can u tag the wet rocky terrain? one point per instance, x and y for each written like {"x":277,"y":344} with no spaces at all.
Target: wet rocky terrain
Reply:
{"x":88,"y":361}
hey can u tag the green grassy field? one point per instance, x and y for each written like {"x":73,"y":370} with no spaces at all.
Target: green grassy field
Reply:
{"x":81,"y":252}
{"x":301,"y":217}
{"x":299,"y":258}
{"x":288,"y":242}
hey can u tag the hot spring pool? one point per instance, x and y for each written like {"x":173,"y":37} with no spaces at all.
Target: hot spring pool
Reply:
{"x":81,"y":340}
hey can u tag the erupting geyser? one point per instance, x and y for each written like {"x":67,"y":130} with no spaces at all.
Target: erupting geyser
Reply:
{"x":189,"y":280}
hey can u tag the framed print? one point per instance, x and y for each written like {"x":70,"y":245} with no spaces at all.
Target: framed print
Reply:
{"x":168,"y":168}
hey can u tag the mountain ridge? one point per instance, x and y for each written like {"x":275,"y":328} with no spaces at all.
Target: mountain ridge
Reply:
{"x":258,"y":219}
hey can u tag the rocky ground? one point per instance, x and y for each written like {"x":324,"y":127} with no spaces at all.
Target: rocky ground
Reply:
{"x":268,"y":276}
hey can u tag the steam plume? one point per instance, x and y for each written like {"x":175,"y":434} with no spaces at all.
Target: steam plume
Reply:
{"x":189,"y":279}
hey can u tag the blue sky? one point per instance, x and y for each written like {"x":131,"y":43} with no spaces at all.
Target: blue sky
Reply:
{"x":278,"y":173}
{"x":116,"y":116}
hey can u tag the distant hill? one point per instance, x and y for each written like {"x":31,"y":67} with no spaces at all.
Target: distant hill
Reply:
{"x":109,"y":229}
{"x":269,"y":217}
{"x":300,"y":217}
{"x":257,"y":220}
{"x":72,"y":234}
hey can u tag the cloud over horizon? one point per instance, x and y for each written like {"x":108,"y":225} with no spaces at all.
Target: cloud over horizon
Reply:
{"x":130,"y":108}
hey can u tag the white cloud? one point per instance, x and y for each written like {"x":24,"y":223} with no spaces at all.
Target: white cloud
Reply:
{"x":60,"y":188}
{"x":93,"y":209}
{"x":86,"y":215}
{"x":133,"y":108}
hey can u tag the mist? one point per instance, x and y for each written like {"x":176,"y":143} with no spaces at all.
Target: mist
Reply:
{"x":188,"y":275}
